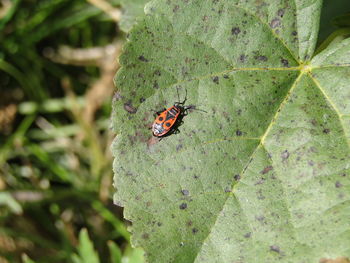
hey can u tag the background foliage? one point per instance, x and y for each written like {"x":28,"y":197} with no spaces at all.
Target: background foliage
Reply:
{"x":57,"y":61}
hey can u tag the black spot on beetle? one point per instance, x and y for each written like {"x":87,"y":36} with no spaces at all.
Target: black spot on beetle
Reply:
{"x":285,"y":62}
{"x":194,"y":230}
{"x":235,"y":31}
{"x":275,"y":248}
{"x":129,"y":108}
{"x":238,"y":133}
{"x":143,"y":59}
{"x":216,"y":80}
{"x":185,"y":192}
{"x":183,"y":206}
{"x":275,"y":23}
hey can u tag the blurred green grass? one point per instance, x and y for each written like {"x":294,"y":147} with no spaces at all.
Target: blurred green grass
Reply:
{"x":57,"y":61}
{"x":55,"y":164}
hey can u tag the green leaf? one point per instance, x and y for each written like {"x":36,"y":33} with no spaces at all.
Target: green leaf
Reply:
{"x":132,"y":10}
{"x":86,"y":252}
{"x":133,"y":255}
{"x":7,"y":200}
{"x":264,"y":173}
{"x":118,"y":225}
{"x":26,"y":259}
{"x":114,"y":250}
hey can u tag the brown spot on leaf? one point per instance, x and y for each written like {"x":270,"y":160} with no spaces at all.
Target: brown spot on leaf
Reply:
{"x":242,"y":58}
{"x":129,"y":108}
{"x":338,"y":184}
{"x":235,"y":31}
{"x":143,"y":59}
{"x":275,"y":248}
{"x":266,"y":169}
{"x":275,"y":23}
{"x":157,"y":73}
{"x":185,"y":192}
{"x":280,"y":12}
{"x":156,"y":85}
{"x":153,"y":140}
{"x":285,"y":155}
{"x":179,"y":147}
{"x":260,"y":218}
{"x":216,"y":80}
{"x":183,"y":206}
{"x":285,"y":62}
{"x":261,"y":58}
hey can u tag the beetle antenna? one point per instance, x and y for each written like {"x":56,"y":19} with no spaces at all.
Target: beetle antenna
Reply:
{"x":178,"y":96}
{"x":185,"y":97}
{"x":193,"y":107}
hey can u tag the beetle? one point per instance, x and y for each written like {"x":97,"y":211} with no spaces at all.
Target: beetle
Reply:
{"x":168,"y":120}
